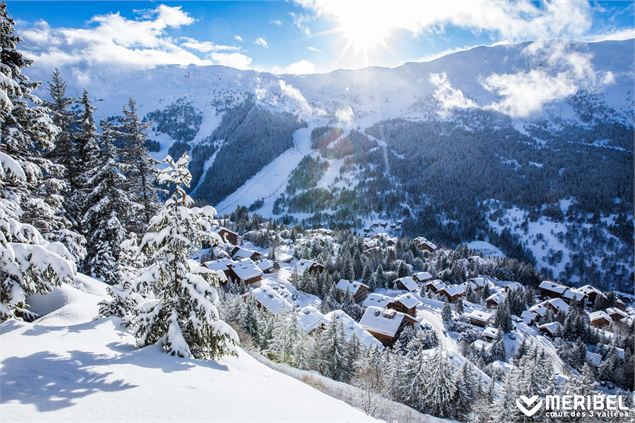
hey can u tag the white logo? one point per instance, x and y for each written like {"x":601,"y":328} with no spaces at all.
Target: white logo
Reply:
{"x":526,"y":405}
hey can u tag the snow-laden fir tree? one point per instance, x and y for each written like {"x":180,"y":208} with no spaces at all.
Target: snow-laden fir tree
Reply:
{"x":184,"y":316}
{"x":410,"y":375}
{"x":446,"y":313}
{"x":466,"y":391}
{"x":331,"y":352}
{"x":108,"y":206}
{"x":29,"y":264}
{"x":287,"y":336}
{"x":141,"y":169}
{"x":440,"y":389}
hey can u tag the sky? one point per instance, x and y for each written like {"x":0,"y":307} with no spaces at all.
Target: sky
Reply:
{"x":302,"y":36}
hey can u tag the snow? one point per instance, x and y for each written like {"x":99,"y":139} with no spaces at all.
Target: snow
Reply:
{"x":383,"y":321}
{"x":69,"y":366}
{"x":408,"y":300}
{"x":486,"y":248}
{"x":246,"y":269}
{"x":270,"y":299}
{"x":309,"y":318}
{"x":351,"y":327}
{"x":408,"y":283}
{"x":270,"y":181}
{"x":480,"y":316}
{"x":346,"y":286}
{"x":422,"y":276}
{"x":377,"y":300}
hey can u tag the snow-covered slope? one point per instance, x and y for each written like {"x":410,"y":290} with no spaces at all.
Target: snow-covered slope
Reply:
{"x":67,"y":366}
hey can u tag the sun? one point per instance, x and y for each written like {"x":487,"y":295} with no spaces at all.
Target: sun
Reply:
{"x":363,"y":34}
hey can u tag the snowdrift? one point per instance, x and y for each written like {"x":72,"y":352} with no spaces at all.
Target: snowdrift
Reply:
{"x":69,"y":366}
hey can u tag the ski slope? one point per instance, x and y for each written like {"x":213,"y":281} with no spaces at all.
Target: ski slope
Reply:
{"x":68,"y":366}
{"x":271,"y":181}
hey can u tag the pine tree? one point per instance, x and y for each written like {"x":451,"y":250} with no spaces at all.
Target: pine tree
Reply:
{"x":141,"y":170}
{"x":458,"y":307}
{"x":466,"y":391}
{"x":440,"y":390}
{"x":29,"y":264}
{"x":108,"y":207}
{"x":287,"y":336}
{"x":184,"y":317}
{"x":332,"y":351}
{"x":446,"y":313}
{"x":503,"y":319}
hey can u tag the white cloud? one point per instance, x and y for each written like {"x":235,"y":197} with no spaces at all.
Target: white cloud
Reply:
{"x":449,"y":97}
{"x":262,"y":42}
{"x":233,"y":60}
{"x":206,"y":46}
{"x":344,"y":114}
{"x":238,"y":38}
{"x":313,"y":49}
{"x":301,"y":67}
{"x":512,"y":21}
{"x":276,"y":22}
{"x":113,"y":40}
{"x":557,"y":72}
{"x":301,"y":21}
{"x":618,"y":35}
{"x":303,"y":109}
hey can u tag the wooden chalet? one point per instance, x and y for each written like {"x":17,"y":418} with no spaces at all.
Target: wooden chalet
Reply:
{"x":305,"y":265}
{"x":452,"y":292}
{"x":238,"y":253}
{"x":599,"y":319}
{"x":616,"y":314}
{"x":357,"y":290}
{"x":230,"y":237}
{"x":422,"y":277}
{"x":405,"y":303}
{"x":385,"y":324}
{"x":406,"y":283}
{"x":479,"y":318}
{"x":245,"y":271}
{"x":591,"y":293}
{"x":311,"y":319}
{"x":550,"y":289}
{"x":494,"y":300}
{"x":551,"y":328}
{"x":434,"y":286}
{"x":424,"y":245}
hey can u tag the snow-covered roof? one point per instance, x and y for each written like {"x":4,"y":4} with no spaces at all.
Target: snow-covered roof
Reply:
{"x":242,"y":252}
{"x":351,"y":327}
{"x":551,"y":327}
{"x":303,"y":265}
{"x":594,"y":358}
{"x":270,"y":299}
{"x":599,"y":315}
{"x":408,"y":300}
{"x":559,"y":305}
{"x":437,"y":284}
{"x":553,"y":287}
{"x":220,"y":264}
{"x":377,"y":300}
{"x":481,"y":316}
{"x":310,"y":318}
{"x":490,"y":332}
{"x":588,"y":289}
{"x":573,"y":294}
{"x":346,"y":286}
{"x":265,"y":264}
{"x":384,"y":321}
{"x":246,"y":269}
{"x":423,"y":241}
{"x":423,"y":276}
{"x":539,"y":309}
{"x":615,"y":310}
{"x":479,"y":345}
{"x":477,"y":282}
{"x":502,"y":366}
{"x":454,"y":290}
{"x":497,"y":297}
{"x":408,"y":282}
{"x":512,"y":285}
{"x":528,"y":316}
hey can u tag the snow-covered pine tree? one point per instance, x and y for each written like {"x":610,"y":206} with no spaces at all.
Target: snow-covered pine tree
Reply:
{"x":29,"y":264}
{"x":446,"y":313}
{"x":332,"y":352}
{"x":287,"y":336}
{"x":184,"y":317}
{"x":108,"y":207}
{"x":466,"y":391}
{"x":458,"y":307}
{"x":440,"y":390}
{"x":141,"y":169}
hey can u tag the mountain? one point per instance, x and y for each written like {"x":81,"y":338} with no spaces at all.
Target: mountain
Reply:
{"x":528,"y":147}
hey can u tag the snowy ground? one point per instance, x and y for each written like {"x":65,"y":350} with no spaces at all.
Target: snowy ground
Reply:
{"x":271,"y":181}
{"x":68,"y":367}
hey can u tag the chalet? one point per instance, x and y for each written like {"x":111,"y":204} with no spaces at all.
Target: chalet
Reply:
{"x":385,"y":324}
{"x":357,"y":290}
{"x":591,"y":293}
{"x":599,"y":319}
{"x":406,"y":284}
{"x":245,"y":271}
{"x":229,"y":237}
{"x":511,"y":286}
{"x":494,"y":300}
{"x":490,"y":333}
{"x":405,"y":303}
{"x":422,"y":277}
{"x":551,"y":328}
{"x":424,"y":245}
{"x":550,"y":289}
{"x":616,"y":314}
{"x":377,"y":300}
{"x":352,"y":328}
{"x":557,"y":305}
{"x":452,"y":292}
{"x":620,"y":304}
{"x":434,"y":286}
{"x":310,"y":319}
{"x":269,"y":299}
{"x":573,"y":295}
{"x":238,"y":253}
{"x":477,"y":284}
{"x":221,"y":265}
{"x":480,"y":345}
{"x":267,"y":266}
{"x":304,"y":265}
{"x":479,"y":318}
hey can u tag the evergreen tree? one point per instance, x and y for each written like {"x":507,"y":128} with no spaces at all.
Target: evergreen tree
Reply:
{"x":332,"y":353}
{"x":446,"y":313}
{"x":29,"y":264}
{"x":503,"y":319}
{"x":466,"y":391}
{"x":184,"y":318}
{"x":141,"y":170}
{"x":458,"y":307}
{"x":440,"y":390}
{"x":108,"y":207}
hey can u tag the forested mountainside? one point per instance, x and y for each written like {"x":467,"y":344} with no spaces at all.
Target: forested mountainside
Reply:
{"x":440,"y":150}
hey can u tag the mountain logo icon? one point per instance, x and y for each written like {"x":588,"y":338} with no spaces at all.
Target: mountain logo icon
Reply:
{"x":529,"y":406}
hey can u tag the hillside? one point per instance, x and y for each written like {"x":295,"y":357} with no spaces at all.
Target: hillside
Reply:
{"x":500,"y":154}
{"x":70,"y":366}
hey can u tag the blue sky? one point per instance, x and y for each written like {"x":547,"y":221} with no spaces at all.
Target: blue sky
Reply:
{"x":302,"y":36}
